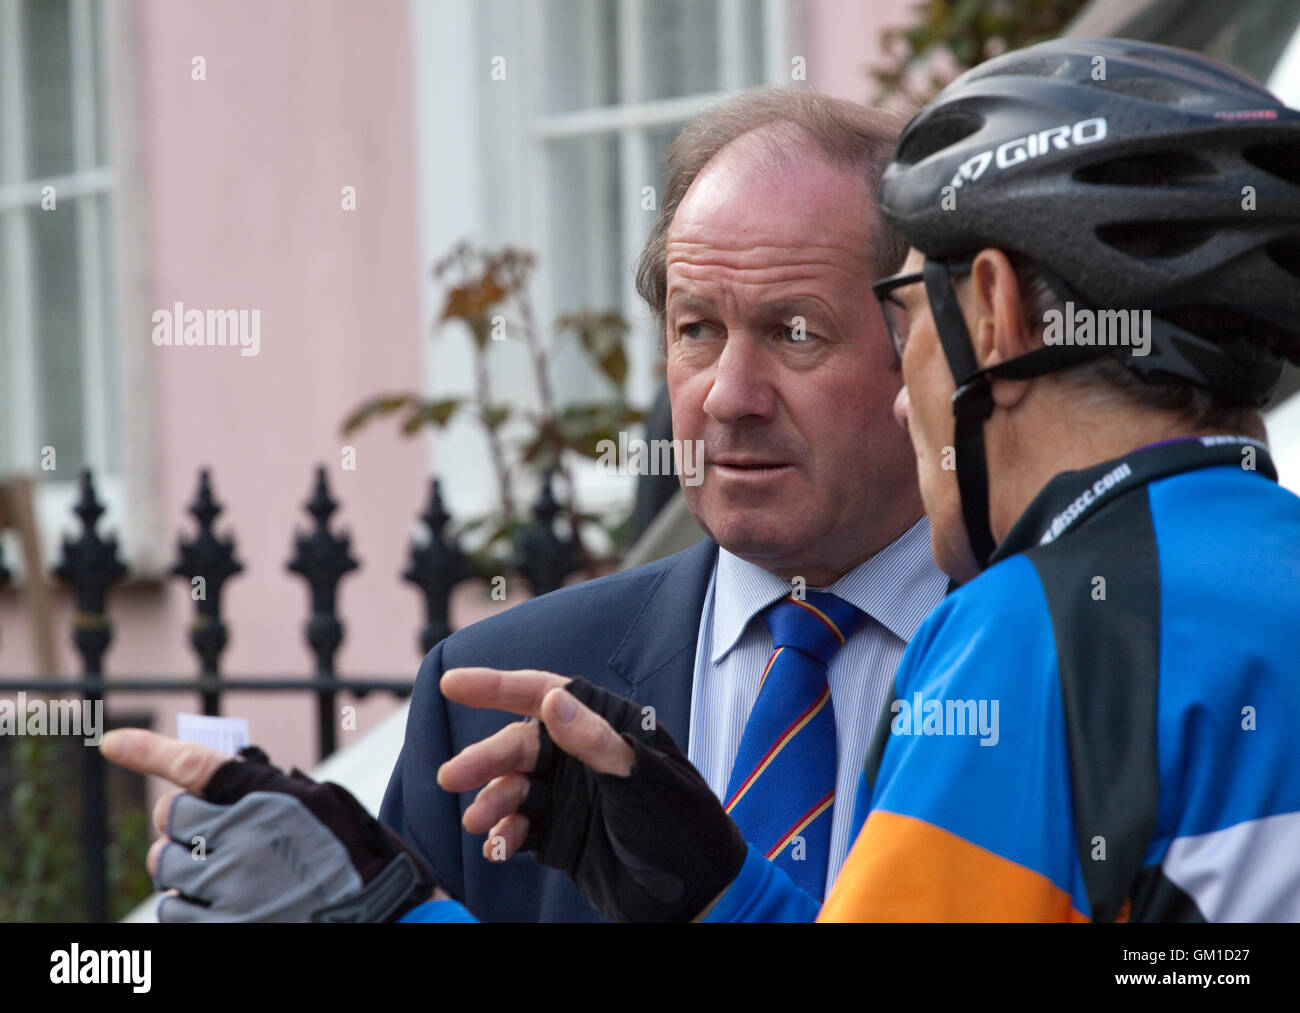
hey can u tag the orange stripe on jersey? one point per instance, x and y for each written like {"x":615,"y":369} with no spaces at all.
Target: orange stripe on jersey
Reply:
{"x":903,"y":869}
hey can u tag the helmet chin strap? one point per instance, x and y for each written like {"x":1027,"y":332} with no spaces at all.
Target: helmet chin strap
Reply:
{"x":1174,"y":352}
{"x":972,"y":404}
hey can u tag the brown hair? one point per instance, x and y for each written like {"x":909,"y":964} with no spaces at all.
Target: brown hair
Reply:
{"x":848,"y":135}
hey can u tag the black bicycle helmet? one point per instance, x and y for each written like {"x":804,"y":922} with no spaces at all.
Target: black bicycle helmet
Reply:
{"x":1120,"y":169}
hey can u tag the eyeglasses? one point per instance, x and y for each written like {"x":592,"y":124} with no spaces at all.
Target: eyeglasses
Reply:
{"x":897,"y":318}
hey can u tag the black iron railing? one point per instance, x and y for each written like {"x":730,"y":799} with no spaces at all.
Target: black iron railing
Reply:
{"x":90,"y":566}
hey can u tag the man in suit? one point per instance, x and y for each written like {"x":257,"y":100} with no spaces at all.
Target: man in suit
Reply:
{"x":759,"y":273}
{"x":768,"y":649}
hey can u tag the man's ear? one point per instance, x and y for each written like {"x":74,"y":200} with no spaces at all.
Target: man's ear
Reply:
{"x":1000,"y":331}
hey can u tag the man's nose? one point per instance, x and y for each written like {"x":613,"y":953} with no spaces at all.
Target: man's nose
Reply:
{"x":742,"y":382}
{"x":902,"y":405}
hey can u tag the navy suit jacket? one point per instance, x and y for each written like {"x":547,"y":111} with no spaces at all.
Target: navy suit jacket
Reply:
{"x":633,"y":632}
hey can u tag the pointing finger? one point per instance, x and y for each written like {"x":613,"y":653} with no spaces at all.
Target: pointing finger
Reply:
{"x":186,"y":764}
{"x":519,"y":692}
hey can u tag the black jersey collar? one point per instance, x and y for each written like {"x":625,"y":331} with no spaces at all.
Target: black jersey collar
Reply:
{"x":1069,"y":499}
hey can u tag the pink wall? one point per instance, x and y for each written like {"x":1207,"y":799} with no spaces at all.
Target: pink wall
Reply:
{"x":242,"y":180}
{"x":842,"y":38}
{"x":244,"y":173}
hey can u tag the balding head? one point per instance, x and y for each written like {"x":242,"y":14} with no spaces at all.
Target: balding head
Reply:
{"x":775,"y":130}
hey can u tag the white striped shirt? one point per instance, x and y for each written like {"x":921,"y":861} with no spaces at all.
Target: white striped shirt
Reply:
{"x":897,"y":588}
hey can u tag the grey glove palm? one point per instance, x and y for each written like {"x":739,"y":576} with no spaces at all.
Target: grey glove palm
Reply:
{"x":266,"y":846}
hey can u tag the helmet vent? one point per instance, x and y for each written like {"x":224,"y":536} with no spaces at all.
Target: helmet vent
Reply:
{"x":1160,"y":168}
{"x":941,"y":132}
{"x":1280,"y":160}
{"x":1029,"y":67}
{"x":1153,"y":240}
{"x":1152,"y":89}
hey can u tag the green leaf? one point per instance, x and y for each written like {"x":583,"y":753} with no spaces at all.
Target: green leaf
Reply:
{"x":970,"y":30}
{"x":580,"y":428}
{"x":431,"y":413}
{"x":375,"y":407}
{"x":494,"y":416}
{"x":601,"y":336}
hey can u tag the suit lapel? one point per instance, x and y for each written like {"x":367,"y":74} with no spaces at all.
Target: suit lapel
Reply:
{"x":657,"y":655}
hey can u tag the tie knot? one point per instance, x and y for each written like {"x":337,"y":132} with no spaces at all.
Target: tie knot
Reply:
{"x":818,"y":625}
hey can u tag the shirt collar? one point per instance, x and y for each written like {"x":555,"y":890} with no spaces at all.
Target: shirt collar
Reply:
{"x":897,"y":587}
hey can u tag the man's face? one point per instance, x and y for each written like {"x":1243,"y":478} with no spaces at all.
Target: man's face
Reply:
{"x":924,"y":408}
{"x":779,"y":363}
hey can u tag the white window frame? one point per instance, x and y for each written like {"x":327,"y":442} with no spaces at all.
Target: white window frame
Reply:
{"x":126,"y":492}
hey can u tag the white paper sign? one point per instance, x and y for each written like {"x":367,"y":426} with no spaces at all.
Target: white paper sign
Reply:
{"x":229,"y":735}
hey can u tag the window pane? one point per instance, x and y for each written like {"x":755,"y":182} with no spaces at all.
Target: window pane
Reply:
{"x":582,"y":54}
{"x":586,"y":260}
{"x":6,"y":44}
{"x":752,"y":47}
{"x":679,"y":41}
{"x":59,"y":405}
{"x":48,"y":55}
{"x":6,"y":345}
{"x":108,"y":286}
{"x":99,"y":74}
{"x":660,"y":138}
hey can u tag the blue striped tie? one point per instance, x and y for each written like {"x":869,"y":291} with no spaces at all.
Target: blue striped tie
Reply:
{"x":782,"y":787}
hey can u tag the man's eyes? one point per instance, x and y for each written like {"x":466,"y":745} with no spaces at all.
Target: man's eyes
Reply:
{"x":796,"y":333}
{"x":694,"y":330}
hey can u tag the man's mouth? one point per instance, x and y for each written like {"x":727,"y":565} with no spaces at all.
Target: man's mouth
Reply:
{"x":749,"y":466}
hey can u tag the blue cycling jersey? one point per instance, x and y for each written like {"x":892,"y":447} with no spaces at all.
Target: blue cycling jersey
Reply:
{"x":1101,"y":725}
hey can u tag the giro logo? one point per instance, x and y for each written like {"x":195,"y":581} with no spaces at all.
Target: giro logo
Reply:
{"x":1022,"y":149}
